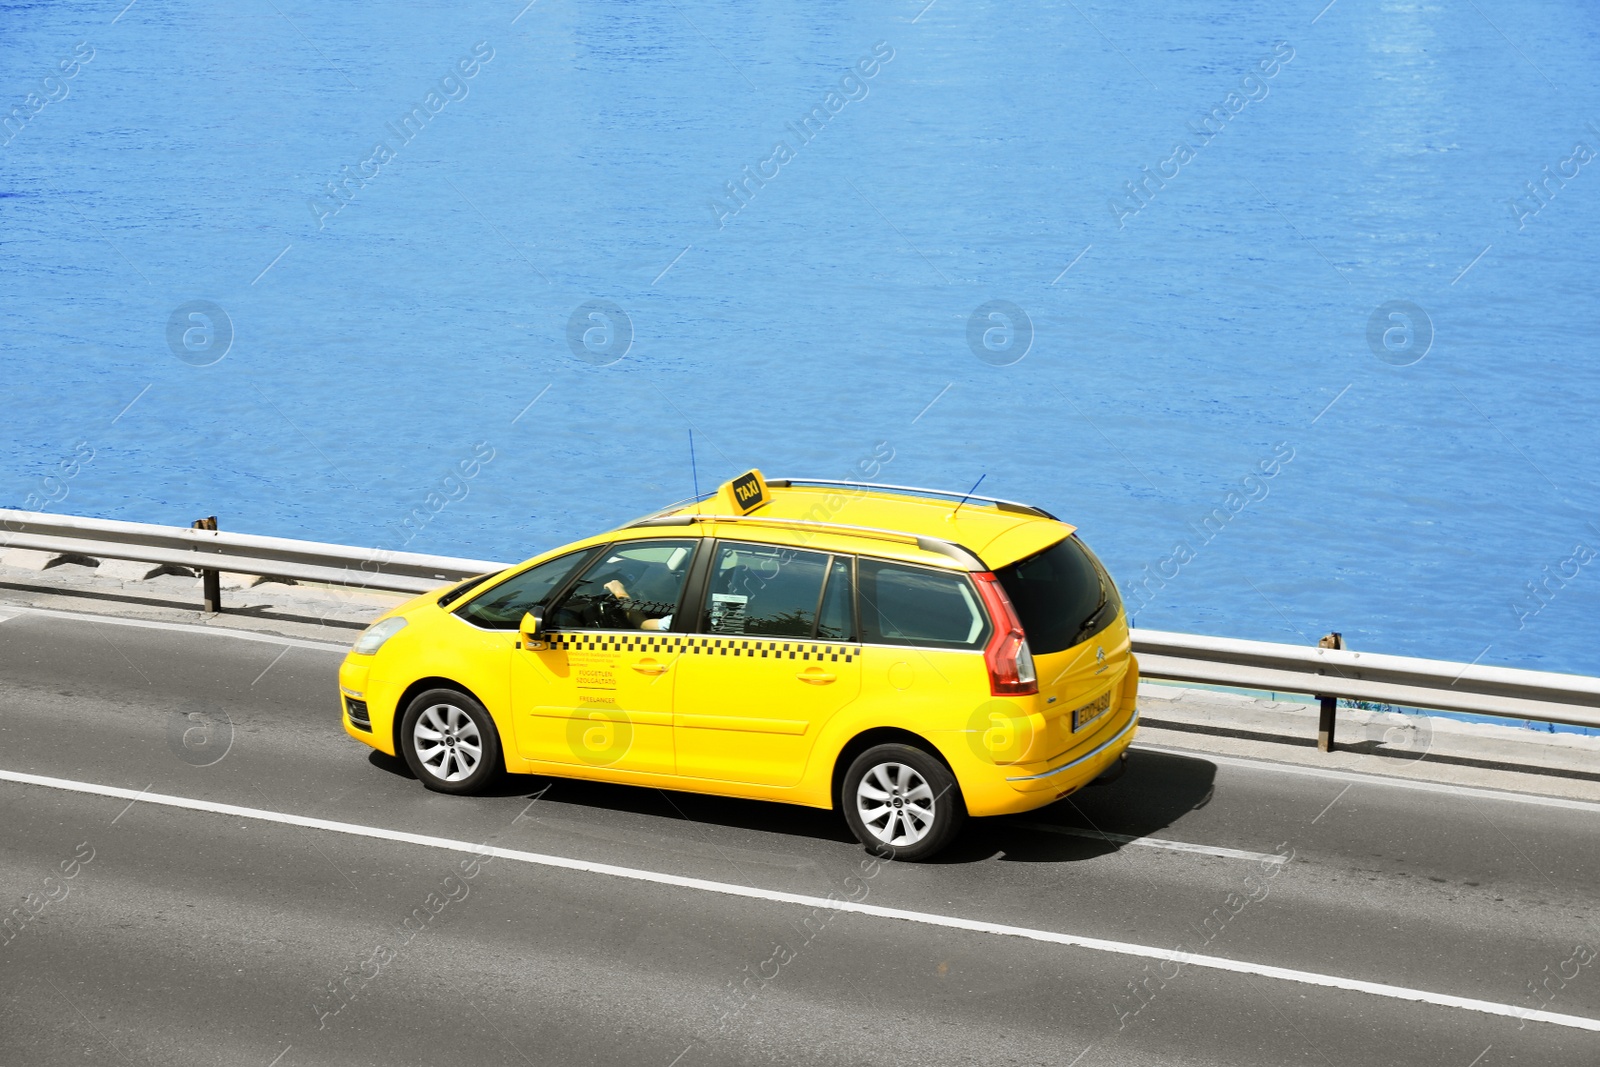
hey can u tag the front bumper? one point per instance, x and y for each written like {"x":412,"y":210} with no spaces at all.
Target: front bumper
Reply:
{"x":356,"y":701}
{"x":356,"y":714}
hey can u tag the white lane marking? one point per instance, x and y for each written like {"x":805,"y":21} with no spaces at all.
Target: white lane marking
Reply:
{"x":1376,"y":779}
{"x":1151,"y":842}
{"x":131,"y":803}
{"x":181,"y":627}
{"x":4,"y":615}
{"x":1095,"y":944}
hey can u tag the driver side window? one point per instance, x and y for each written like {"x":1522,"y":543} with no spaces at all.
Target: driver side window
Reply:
{"x":633,"y":585}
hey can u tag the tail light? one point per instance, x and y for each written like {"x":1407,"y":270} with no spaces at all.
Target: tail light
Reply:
{"x":1007,"y":655}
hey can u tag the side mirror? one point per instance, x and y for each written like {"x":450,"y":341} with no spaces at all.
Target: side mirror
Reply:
{"x":532,"y":628}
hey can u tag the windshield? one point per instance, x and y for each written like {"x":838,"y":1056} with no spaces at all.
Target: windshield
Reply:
{"x":1062,"y":595}
{"x":502,"y":607}
{"x":466,"y":587}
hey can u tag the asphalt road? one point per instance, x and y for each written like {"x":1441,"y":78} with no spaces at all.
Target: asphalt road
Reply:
{"x":213,"y":936}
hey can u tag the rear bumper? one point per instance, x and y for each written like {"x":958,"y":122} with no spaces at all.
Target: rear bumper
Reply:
{"x":998,"y":793}
{"x":1101,"y":756}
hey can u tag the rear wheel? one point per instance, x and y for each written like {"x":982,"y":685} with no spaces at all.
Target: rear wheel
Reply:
{"x":450,"y":743}
{"x":901,"y":802}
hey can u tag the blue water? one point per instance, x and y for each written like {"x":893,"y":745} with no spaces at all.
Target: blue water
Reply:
{"x":1370,"y":157}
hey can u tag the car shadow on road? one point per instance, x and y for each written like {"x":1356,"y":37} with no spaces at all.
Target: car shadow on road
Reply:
{"x":760,"y":815}
{"x":1156,"y":791}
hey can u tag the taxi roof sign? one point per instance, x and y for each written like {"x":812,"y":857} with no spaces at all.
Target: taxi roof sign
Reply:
{"x":747,"y":492}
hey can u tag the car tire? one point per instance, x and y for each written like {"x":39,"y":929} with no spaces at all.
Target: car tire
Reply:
{"x":901,"y":802}
{"x":450,"y":742}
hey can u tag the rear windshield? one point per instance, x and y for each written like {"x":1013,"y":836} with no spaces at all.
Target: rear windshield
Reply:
{"x":1063,"y":595}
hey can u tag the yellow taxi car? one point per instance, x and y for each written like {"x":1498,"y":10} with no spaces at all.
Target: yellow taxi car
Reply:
{"x":899,"y":654}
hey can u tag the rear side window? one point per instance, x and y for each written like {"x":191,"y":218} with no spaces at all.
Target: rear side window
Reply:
{"x":502,"y":607}
{"x":1063,"y":595}
{"x":763,"y":590}
{"x":906,"y":605}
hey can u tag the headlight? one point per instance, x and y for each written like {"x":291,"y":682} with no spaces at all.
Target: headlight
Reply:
{"x":375,"y":635}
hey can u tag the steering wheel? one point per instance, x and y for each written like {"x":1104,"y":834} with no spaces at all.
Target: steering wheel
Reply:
{"x":612,"y":614}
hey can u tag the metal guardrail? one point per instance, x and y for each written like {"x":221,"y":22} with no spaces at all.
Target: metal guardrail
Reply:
{"x":1329,"y":673}
{"x":1541,"y":696}
{"x":218,"y":550}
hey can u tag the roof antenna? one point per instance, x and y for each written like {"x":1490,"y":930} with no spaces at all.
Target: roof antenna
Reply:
{"x":974,"y":489}
{"x":694,"y":472}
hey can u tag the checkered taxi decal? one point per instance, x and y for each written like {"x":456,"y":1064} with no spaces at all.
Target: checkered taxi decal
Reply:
{"x":670,"y":644}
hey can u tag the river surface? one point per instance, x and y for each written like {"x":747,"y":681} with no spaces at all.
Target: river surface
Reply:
{"x":1283,"y":309}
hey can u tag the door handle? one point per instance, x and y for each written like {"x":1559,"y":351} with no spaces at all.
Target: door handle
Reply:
{"x":646,"y":667}
{"x":816,"y":677}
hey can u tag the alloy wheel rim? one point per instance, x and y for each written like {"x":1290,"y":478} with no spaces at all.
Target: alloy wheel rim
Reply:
{"x":896,"y":804}
{"x":447,"y":742}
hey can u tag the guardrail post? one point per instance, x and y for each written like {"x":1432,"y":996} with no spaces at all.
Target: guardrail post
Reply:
{"x":1325,"y":721}
{"x":210,"y":580}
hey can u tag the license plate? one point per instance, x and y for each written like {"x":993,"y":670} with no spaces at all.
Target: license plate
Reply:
{"x":1091,"y":711}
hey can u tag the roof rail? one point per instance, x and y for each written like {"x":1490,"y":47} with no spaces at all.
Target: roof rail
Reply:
{"x":950,"y":549}
{"x":1003,"y":505}
{"x":670,"y":508}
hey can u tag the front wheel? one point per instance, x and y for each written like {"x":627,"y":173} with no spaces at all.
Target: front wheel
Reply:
{"x":450,"y":743}
{"x":901,"y":802}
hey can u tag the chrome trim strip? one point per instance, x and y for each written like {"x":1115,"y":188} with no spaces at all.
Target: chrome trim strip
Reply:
{"x":967,"y":650}
{"x":1087,"y":756}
